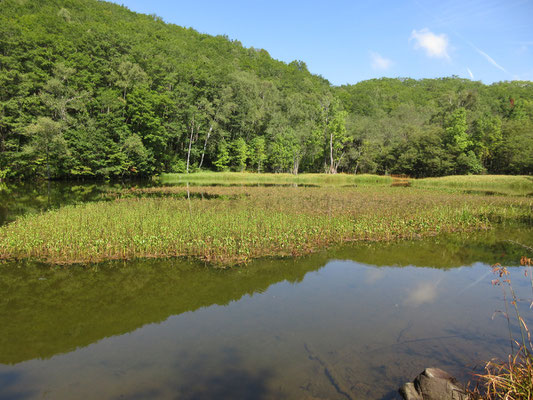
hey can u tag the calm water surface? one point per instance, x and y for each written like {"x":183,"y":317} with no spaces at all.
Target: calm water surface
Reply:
{"x":352,"y":322}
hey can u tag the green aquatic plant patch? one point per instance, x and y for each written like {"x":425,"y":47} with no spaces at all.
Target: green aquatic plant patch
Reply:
{"x":481,"y":184}
{"x":254,"y":222}
{"x":228,"y":178}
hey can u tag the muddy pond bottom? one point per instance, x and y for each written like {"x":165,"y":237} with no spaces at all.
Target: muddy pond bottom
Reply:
{"x":356,"y":322}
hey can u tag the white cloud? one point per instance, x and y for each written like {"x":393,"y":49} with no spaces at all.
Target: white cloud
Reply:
{"x":379,"y":62}
{"x":470,"y":73}
{"x":434,"y":45}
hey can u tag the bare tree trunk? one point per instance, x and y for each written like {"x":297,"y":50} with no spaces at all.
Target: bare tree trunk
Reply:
{"x":295,"y":166}
{"x":205,"y":145}
{"x":336,"y":165}
{"x":190,"y":145}
{"x":332,"y":169}
{"x":325,"y":141}
{"x":48,"y":162}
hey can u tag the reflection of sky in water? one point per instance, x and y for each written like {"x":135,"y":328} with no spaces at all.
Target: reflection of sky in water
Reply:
{"x":374,"y":275}
{"x":422,"y":293}
{"x":349,"y":325}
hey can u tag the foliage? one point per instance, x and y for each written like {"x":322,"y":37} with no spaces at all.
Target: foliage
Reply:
{"x":134,"y":96}
{"x":228,"y":225}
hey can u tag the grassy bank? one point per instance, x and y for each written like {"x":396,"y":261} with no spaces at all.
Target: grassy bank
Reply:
{"x":483,"y":184}
{"x":227,"y":225}
{"x":250,"y":178}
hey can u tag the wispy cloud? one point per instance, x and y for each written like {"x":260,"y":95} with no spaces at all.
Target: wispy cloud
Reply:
{"x":489,"y":59}
{"x":436,"y":46}
{"x":379,"y":62}
{"x":470,"y":73}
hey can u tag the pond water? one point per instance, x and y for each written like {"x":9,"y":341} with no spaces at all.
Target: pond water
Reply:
{"x":352,"y":322}
{"x":17,"y":199}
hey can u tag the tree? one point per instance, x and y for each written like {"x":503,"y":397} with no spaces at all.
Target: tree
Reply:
{"x":258,"y":153}
{"x":223,"y":157}
{"x":487,"y":138}
{"x":137,"y":155}
{"x":217,"y":112}
{"x":59,"y":96}
{"x":46,"y":140}
{"x":239,"y":154}
{"x":456,"y":134}
{"x":337,"y":140}
{"x":515,"y":154}
{"x":129,"y":75}
{"x":281,"y":153}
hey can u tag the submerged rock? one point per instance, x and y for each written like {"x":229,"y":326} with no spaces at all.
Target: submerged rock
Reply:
{"x":433,"y":384}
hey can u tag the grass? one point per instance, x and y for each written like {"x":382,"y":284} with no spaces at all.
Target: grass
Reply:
{"x":511,"y":379}
{"x":483,"y":184}
{"x":250,"y":178}
{"x":232,"y":225}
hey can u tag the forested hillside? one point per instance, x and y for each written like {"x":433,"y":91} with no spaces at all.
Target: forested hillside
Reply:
{"x":434,"y":127}
{"x":90,"y":89}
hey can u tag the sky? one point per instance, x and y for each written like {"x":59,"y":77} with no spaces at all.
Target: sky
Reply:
{"x":347,"y":41}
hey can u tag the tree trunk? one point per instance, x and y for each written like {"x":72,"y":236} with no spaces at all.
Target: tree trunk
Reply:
{"x":190,"y":145}
{"x":325,"y":144}
{"x":336,"y":165}
{"x":295,"y":166}
{"x":332,"y":169}
{"x":48,"y":162}
{"x":205,"y":146}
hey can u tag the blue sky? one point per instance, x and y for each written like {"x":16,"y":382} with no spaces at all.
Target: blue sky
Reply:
{"x":349,"y":41}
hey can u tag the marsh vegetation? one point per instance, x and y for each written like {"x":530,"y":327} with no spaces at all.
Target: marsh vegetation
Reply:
{"x":228,"y":225}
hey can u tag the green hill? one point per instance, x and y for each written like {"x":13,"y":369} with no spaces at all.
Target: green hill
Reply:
{"x":91,"y":89}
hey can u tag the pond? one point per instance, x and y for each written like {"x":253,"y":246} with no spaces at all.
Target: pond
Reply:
{"x":352,"y":322}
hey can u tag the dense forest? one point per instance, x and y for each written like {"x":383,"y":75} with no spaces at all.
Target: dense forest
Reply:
{"x":91,"y":89}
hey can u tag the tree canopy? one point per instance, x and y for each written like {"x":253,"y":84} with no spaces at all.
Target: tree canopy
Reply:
{"x":91,"y":89}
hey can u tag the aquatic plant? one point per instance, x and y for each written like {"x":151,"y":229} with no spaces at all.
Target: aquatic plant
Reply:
{"x":483,"y":184}
{"x":268,"y":178}
{"x":236,"y":224}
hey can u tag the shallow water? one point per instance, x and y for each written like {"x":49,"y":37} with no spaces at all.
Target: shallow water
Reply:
{"x":18,"y":199}
{"x":352,"y":322}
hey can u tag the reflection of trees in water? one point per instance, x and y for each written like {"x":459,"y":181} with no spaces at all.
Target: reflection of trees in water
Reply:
{"x":45,"y":311}
{"x":23,"y":198}
{"x":443,"y":251}
{"x":18,"y":199}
